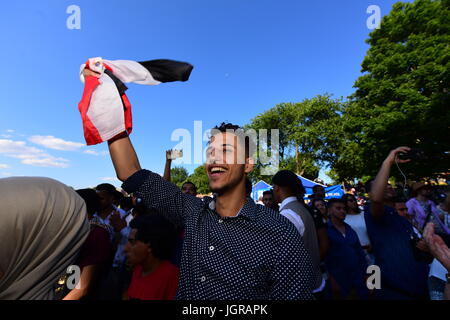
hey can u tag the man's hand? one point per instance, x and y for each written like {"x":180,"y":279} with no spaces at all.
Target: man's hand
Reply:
{"x":87,"y":73}
{"x":391,"y":158}
{"x":422,"y":245}
{"x":169,"y":155}
{"x":117,"y":222}
{"x":377,"y":195}
{"x":437,"y":246}
{"x":174,"y":154}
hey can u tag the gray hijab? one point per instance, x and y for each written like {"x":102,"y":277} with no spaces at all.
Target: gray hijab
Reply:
{"x":43,"y":224}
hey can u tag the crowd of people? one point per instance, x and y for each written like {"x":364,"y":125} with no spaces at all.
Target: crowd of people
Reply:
{"x":156,"y":241}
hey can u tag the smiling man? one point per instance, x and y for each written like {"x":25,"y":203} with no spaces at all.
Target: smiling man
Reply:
{"x":234,"y":249}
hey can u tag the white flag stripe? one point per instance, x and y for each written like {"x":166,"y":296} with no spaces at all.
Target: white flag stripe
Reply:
{"x":106,"y":109}
{"x":131,"y":71}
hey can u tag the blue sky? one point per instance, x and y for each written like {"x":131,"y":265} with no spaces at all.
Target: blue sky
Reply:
{"x":249,"y":55}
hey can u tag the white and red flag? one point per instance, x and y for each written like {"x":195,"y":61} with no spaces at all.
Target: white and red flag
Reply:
{"x":105,"y":109}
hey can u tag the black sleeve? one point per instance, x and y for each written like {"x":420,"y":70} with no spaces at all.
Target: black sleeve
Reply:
{"x":161,"y":195}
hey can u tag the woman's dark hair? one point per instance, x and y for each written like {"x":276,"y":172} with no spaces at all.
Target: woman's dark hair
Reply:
{"x":345,"y":199}
{"x":91,"y":198}
{"x":158,"y":232}
{"x":288,"y":179}
{"x":107,"y":187}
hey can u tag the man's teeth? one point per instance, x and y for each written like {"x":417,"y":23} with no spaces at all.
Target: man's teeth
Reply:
{"x":217,"y":169}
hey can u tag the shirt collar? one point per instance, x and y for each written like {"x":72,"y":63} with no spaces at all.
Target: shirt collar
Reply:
{"x":247,"y":211}
{"x":286,"y":201}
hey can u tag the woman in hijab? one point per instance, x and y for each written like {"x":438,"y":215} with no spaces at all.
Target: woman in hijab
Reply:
{"x":43,"y":224}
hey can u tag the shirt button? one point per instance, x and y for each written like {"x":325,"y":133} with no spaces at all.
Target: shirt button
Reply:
{"x":220,"y":220}
{"x":211,"y":248}
{"x":203,"y":279}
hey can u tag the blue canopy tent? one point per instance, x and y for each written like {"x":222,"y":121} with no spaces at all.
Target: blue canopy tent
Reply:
{"x":259,"y":188}
{"x":330,"y":192}
{"x":309,"y":183}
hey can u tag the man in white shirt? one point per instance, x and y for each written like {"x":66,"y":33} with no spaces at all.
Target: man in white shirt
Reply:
{"x":286,"y":188}
{"x":291,"y":215}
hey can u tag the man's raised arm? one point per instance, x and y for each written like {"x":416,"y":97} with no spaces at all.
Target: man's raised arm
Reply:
{"x":124,"y":157}
{"x":381,"y":180}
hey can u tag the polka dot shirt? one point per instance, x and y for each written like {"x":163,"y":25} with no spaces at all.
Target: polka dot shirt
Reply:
{"x":258,"y":254}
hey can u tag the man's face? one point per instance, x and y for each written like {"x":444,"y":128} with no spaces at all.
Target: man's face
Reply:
{"x":188,"y":188}
{"x":105,"y":199}
{"x":425,"y":192}
{"x":337,"y":210}
{"x":319,"y":192}
{"x":389,"y":193}
{"x":222,"y":166}
{"x":352,"y":203}
{"x":268,"y":200}
{"x":401,"y":209}
{"x":320,"y":205}
{"x":136,"y":251}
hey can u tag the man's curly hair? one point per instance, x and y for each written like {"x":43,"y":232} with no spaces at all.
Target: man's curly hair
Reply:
{"x":227,"y":127}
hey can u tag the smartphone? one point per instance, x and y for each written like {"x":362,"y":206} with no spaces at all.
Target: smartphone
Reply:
{"x":413,"y":154}
{"x":174,"y":154}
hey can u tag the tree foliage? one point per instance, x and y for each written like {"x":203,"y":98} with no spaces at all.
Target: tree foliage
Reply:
{"x":308,"y":134}
{"x":200,"y":179}
{"x":178,"y":175}
{"x":402,"y":97}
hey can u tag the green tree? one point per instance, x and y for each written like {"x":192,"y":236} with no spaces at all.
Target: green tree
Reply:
{"x":200,"y":179}
{"x":309,"y":133}
{"x":402,"y":98}
{"x":279,"y":117}
{"x":178,"y":175}
{"x":311,"y":170}
{"x":316,"y":131}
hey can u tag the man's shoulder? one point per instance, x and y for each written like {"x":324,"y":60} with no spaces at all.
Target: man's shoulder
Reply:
{"x":280,"y":226}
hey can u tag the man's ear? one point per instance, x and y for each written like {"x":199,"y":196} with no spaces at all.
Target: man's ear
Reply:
{"x":249,"y":165}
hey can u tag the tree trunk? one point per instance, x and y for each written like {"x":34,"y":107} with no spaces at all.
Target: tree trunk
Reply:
{"x":297,"y":160}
